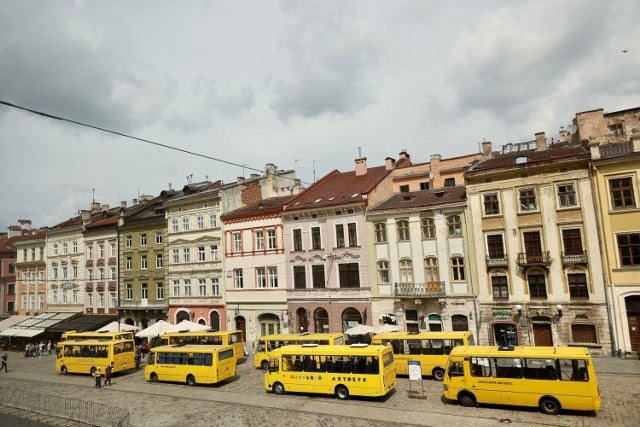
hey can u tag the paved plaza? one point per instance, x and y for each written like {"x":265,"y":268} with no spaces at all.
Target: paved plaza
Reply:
{"x":243,"y":401}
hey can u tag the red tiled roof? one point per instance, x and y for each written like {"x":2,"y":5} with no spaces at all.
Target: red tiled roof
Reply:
{"x":110,"y":220}
{"x":422,"y":199}
{"x":553,"y":152}
{"x":269,"y":206}
{"x":338,"y":188}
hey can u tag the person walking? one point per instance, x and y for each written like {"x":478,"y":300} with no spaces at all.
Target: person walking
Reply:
{"x":4,"y":363}
{"x":98,"y":375}
{"x":137,"y":357}
{"x":107,"y":374}
{"x":49,"y":347}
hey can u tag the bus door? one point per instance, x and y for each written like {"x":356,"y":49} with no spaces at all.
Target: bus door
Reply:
{"x":482,"y":382}
{"x":225,"y":364}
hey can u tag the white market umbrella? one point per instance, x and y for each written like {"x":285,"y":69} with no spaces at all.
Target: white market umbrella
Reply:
{"x":385,"y":327}
{"x":359,"y":330}
{"x":155,"y":330}
{"x":187,"y":325}
{"x":113,"y":327}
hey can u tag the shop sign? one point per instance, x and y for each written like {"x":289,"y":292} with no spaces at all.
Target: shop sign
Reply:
{"x":501,"y":313}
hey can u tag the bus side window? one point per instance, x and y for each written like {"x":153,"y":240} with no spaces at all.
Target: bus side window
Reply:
{"x":415,"y":346}
{"x":297,"y":364}
{"x":395,"y":345}
{"x":480,"y":367}
{"x":574,"y":370}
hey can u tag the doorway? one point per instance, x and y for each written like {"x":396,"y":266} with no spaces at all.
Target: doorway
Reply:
{"x":505,"y":334}
{"x":542,"y":335}
{"x":241,"y":325}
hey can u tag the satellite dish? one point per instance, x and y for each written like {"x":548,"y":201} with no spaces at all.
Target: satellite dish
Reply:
{"x":572,"y":129}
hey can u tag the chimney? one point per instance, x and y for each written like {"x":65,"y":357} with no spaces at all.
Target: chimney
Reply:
{"x":254,"y":176}
{"x":123,"y":204}
{"x":85,"y":215}
{"x":541,"y":141}
{"x":389,"y":163}
{"x":95,"y":205}
{"x":435,"y":165}
{"x":404,"y":155}
{"x":105,"y":208}
{"x":270,"y":169}
{"x":361,"y":166}
{"x":240,"y":179}
{"x":486,"y":148}
{"x":134,"y":202}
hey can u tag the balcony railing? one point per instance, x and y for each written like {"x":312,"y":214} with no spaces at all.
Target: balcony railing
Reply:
{"x":616,"y":149}
{"x":535,"y":259}
{"x":574,"y":258}
{"x":429,"y":289}
{"x":150,"y":304}
{"x":497,"y":262}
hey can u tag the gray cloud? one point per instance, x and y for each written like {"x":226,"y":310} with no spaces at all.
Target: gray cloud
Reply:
{"x":525,"y":55}
{"x":330,"y":51}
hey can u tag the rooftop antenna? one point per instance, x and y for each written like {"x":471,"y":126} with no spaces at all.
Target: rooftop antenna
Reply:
{"x":314,"y":170}
{"x":93,"y":195}
{"x":359,"y":152}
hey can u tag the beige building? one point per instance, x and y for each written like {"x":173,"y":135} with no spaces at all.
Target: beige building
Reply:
{"x":31,"y":273}
{"x":534,"y":232}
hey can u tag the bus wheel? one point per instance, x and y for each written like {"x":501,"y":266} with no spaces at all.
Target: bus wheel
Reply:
{"x":63,"y":370}
{"x":467,"y":399}
{"x":264,"y":365}
{"x":191,"y":380}
{"x":549,"y":406}
{"x":278,"y":388}
{"x":342,"y":392}
{"x":438,"y":374}
{"x":153,"y":378}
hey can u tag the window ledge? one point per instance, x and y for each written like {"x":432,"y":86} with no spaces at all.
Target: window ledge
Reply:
{"x":584,"y":344}
{"x":623,"y":210}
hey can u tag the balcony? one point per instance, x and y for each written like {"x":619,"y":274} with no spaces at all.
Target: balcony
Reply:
{"x":495,"y":262}
{"x":569,"y":259}
{"x":146,"y":304}
{"x":534,"y":259}
{"x":421,"y":290}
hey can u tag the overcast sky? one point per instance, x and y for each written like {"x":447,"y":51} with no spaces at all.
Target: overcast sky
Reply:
{"x":294,"y":83}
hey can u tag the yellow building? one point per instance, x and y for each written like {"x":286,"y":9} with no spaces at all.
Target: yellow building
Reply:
{"x":615,"y":153}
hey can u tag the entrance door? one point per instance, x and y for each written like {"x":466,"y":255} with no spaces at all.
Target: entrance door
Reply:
{"x":241,"y":325}
{"x":542,"y":335}
{"x":634,"y":330}
{"x":505,"y":334}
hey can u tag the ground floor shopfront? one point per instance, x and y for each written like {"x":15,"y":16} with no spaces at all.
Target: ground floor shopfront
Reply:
{"x":546,"y":324}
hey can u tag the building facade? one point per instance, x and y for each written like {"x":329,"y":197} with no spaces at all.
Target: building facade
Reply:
{"x":535,"y":240}
{"x":31,"y":269}
{"x":101,"y":264}
{"x":420,"y":263}
{"x":254,"y":258}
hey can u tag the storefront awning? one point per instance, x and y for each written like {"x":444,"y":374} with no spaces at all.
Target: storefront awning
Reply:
{"x":29,"y":333}
{"x":13,"y":320}
{"x":84,"y":322}
{"x":36,"y":325}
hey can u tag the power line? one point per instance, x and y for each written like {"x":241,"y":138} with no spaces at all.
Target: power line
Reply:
{"x":51,"y":116}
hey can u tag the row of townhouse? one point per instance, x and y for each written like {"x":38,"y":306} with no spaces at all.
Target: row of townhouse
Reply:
{"x":535,"y":244}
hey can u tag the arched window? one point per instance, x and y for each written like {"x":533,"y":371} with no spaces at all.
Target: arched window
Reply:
{"x":406,"y":271}
{"x":182,"y":315}
{"x":383,"y":272}
{"x":457,"y":268}
{"x":431,"y":272}
{"x":214,"y":320}
{"x":435,"y":323}
{"x":459,"y":322}
{"x":321,"y":320}
{"x":454,"y":225}
{"x":350,"y":318}
{"x":303,"y":321}
{"x":269,"y":324}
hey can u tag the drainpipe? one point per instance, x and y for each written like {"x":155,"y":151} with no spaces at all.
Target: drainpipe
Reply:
{"x":603,"y":247}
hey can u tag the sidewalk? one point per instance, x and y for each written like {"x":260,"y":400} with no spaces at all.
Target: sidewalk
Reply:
{"x":615,"y":365}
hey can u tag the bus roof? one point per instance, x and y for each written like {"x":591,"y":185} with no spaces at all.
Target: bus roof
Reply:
{"x":181,"y":348}
{"x":92,"y":342}
{"x":422,"y":335}
{"x":303,"y":336}
{"x":332,"y":350}
{"x":200,"y":333}
{"x":519,"y":351}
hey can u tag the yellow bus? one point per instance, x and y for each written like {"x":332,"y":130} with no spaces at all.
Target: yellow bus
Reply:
{"x":94,"y":335}
{"x":193,"y":364}
{"x":232,"y":338}
{"x":431,"y":349}
{"x":268,"y":343}
{"x":551,"y":378}
{"x":84,"y":356}
{"x":358,"y":370}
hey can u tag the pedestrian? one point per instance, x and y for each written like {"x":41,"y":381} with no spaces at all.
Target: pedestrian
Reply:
{"x":107,"y":374}
{"x":40,"y":349}
{"x":4,"y":363}
{"x":26,"y":350}
{"x":98,"y":375}
{"x":137,"y":357}
{"x":49,"y":347}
